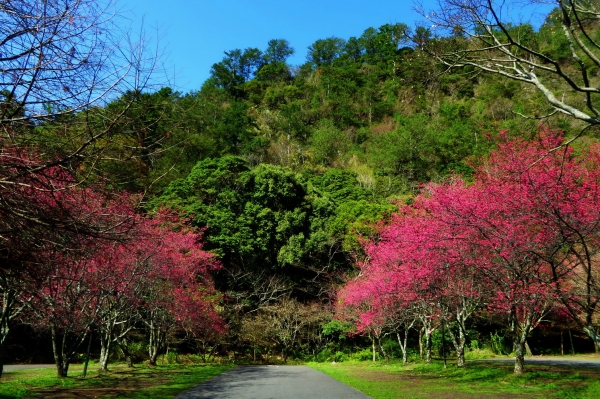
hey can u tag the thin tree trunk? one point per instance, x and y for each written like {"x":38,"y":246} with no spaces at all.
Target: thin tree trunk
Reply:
{"x":402,"y":344}
{"x":528,"y":349}
{"x":87,"y":355}
{"x":421,"y":330}
{"x":373,"y":346}
{"x":428,"y":345}
{"x":125,"y":349}
{"x":385,"y":356}
{"x":1,"y":359}
{"x":571,"y":339}
{"x":4,"y":327}
{"x":428,"y":330}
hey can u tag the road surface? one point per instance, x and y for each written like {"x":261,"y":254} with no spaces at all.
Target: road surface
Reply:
{"x":593,"y":362}
{"x":272,"y":382}
{"x":13,"y":367}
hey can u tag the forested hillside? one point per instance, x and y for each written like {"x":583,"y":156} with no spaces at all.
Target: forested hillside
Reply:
{"x":289,"y":176}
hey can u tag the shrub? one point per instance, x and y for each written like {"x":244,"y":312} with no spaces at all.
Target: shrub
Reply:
{"x":365,"y":354}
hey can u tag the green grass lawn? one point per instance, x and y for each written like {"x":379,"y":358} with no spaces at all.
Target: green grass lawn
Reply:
{"x":387,"y":381}
{"x":163,"y":381}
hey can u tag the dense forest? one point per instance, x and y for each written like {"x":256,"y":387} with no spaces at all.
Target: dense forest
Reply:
{"x":350,"y":206}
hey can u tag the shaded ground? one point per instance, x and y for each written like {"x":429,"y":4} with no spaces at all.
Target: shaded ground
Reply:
{"x":123,"y":382}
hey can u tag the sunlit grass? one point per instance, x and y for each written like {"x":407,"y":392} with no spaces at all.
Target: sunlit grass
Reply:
{"x":385,"y":380}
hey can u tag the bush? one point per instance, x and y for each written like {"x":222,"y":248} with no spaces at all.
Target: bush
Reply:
{"x":498,"y":344}
{"x":327,"y":355}
{"x":172,"y":358}
{"x":365,"y":354}
{"x":340,"y":357}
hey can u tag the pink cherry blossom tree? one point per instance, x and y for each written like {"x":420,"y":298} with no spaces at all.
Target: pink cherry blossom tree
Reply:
{"x":520,"y":240}
{"x":178,"y":290}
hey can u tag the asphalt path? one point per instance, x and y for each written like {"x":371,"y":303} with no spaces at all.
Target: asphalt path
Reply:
{"x":272,"y":382}
{"x":13,"y":367}
{"x":551,"y":361}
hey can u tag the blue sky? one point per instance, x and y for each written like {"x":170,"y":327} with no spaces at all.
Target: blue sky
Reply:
{"x":195,"y":33}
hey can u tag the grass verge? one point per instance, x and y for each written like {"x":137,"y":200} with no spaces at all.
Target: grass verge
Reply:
{"x":141,"y":382}
{"x":491,"y":381}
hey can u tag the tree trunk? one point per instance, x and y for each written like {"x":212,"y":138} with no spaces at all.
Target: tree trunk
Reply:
{"x":385,"y":356}
{"x":593,"y":335}
{"x":58,"y":358}
{"x":428,"y":345}
{"x":155,"y":344}
{"x":105,"y":344}
{"x":373,"y":346}
{"x":528,"y":349}
{"x":459,"y":343}
{"x":519,"y":356}
{"x":3,"y":334}
{"x":402,"y":344}
{"x":421,"y":330}
{"x":1,"y":359}
{"x":427,"y":330}
{"x":520,"y":330}
{"x":125,"y":349}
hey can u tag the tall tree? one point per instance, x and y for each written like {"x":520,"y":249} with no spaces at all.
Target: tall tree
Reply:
{"x":278,"y":50}
{"x":325,"y":51}
{"x":237,"y":68}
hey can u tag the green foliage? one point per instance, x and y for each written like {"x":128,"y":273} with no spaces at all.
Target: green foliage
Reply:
{"x":499,"y":344}
{"x":327,"y":355}
{"x":278,"y":51}
{"x":253,"y":217}
{"x":337,"y":329}
{"x":236,"y":68}
{"x":328,"y":143}
{"x":344,"y":212}
{"x":365,"y":354}
{"x":325,"y":51}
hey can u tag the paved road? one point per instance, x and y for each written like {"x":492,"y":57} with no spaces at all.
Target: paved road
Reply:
{"x":552,"y":361}
{"x":272,"y":382}
{"x":13,"y":367}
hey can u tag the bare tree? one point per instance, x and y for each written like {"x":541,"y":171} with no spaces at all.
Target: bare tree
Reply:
{"x":59,"y":60}
{"x":481,"y":34}
{"x":62,"y":56}
{"x":292,"y":324}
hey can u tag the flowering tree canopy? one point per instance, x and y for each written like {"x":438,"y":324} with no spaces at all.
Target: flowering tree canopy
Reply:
{"x":521,"y":239}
